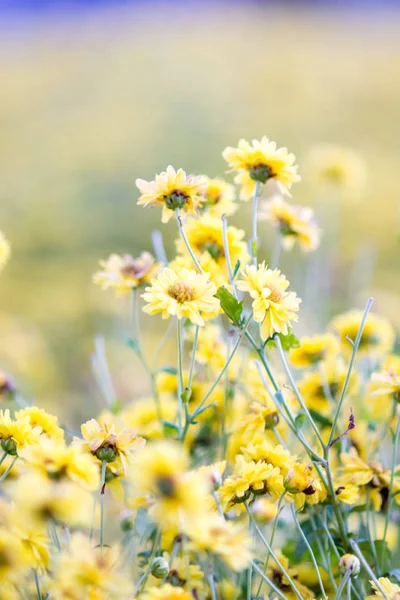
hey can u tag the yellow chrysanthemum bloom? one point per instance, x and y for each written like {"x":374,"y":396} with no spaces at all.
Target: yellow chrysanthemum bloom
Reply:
{"x":219,"y":198}
{"x":313,"y":350}
{"x":181,"y":294}
{"x":265,"y":452}
{"x":58,"y":461}
{"x":84,"y":571}
{"x":261,"y":161}
{"x":34,"y":539}
{"x":172,"y":190}
{"x":5,"y":251}
{"x":141,"y":415}
{"x":273,"y":306}
{"x":347,"y":493}
{"x":294,"y":223}
{"x":249,"y":478}
{"x":108,"y":443}
{"x":40,"y":418}
{"x":206,"y":240}
{"x":14,"y":560}
{"x":183,"y":573}
{"x":125,"y":273}
{"x":16,"y":433}
{"x":160,"y":470}
{"x":264,"y":510}
{"x":337,"y":169}
{"x":227,"y":540}
{"x":275,"y":573}
{"x":167,"y":592}
{"x":392,"y":590}
{"x":359,"y":472}
{"x":386,"y":383}
{"x":378,"y":336}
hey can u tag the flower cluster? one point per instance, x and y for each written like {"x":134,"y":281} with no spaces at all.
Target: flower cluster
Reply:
{"x":255,"y":462}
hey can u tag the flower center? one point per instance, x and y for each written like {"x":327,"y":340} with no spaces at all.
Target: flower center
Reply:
{"x":166,"y":486}
{"x":176,"y":199}
{"x":261,"y":173}
{"x":181,"y":292}
{"x":275,"y":294}
{"x":213,"y":249}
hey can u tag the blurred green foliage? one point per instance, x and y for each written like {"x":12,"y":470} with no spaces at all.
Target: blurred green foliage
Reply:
{"x":90,"y":102}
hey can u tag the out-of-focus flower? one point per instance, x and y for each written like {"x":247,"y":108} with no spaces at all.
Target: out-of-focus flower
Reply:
{"x":5,"y":251}
{"x":40,"y":418}
{"x":141,"y":415}
{"x":386,"y":383}
{"x":294,"y":223}
{"x":172,"y":190}
{"x":16,"y":433}
{"x":125,"y":273}
{"x":261,"y":161}
{"x":167,"y":592}
{"x":181,"y":294}
{"x":378,"y":336}
{"x":337,"y":169}
{"x":273,"y":306}
{"x":313,"y":350}
{"x":219,"y":198}
{"x":392,"y":590}
{"x":264,"y":510}
{"x":318,"y":388}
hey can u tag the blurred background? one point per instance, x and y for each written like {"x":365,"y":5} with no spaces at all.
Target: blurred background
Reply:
{"x":95,"y":94}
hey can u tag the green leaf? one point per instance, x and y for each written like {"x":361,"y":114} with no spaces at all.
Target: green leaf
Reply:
{"x":288,"y":341}
{"x":116,"y":406}
{"x":170,"y":429}
{"x":236,"y":269}
{"x":168,"y":370}
{"x":299,"y":420}
{"x":231,"y":307}
{"x":320,"y":419}
{"x":381,"y":549}
{"x":134,"y":344}
{"x":186,"y":395}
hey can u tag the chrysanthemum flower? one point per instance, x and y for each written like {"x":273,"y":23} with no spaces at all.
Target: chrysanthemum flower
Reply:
{"x":378,"y":336}
{"x":313,"y":350}
{"x":38,"y":417}
{"x":5,"y":251}
{"x":275,"y":573}
{"x":109,"y":443}
{"x":141,"y":415}
{"x":337,"y":169}
{"x":125,"y":273}
{"x":386,"y":383}
{"x":294,"y":223}
{"x":229,"y":541}
{"x":392,"y":590}
{"x":181,"y":294}
{"x":167,"y":592}
{"x":16,"y":433}
{"x":219,"y":198}
{"x":261,"y":161}
{"x":264,"y":510}
{"x":265,"y":452}
{"x":273,"y":305}
{"x":171,"y":190}
{"x":206,"y":240}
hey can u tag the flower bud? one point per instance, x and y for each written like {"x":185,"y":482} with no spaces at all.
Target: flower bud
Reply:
{"x":106,"y":453}
{"x":159,"y":567}
{"x":260,"y":173}
{"x":351,"y":563}
{"x":271,"y":420}
{"x":9,"y":446}
{"x":176,"y":200}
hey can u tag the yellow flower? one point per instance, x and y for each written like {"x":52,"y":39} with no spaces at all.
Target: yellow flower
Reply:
{"x":160,"y":470}
{"x":141,"y":415}
{"x":264,"y":510}
{"x":124,"y":273}
{"x":392,"y":589}
{"x":295,"y":223}
{"x":313,"y":350}
{"x":182,"y":294}
{"x":15,"y":434}
{"x":347,"y":493}
{"x":5,"y":251}
{"x":34,"y":539}
{"x":273,"y":305}
{"x":172,"y":190}
{"x":40,"y":418}
{"x":58,"y":461}
{"x":337,"y":169}
{"x":299,"y":480}
{"x":378,"y":336}
{"x":265,"y":452}
{"x":14,"y":559}
{"x":219,"y":198}
{"x":167,"y":592}
{"x":359,"y":472}
{"x":206,"y":240}
{"x":249,"y":478}
{"x":105,"y":441}
{"x":183,"y":573}
{"x":275,"y":573}
{"x":83,"y":571}
{"x":386,"y":383}
{"x":261,"y":161}
{"x":229,"y":541}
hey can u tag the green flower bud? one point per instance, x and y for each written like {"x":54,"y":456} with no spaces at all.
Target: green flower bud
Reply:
{"x":9,"y":446}
{"x":351,"y":563}
{"x":159,"y":567}
{"x":106,"y":453}
{"x":261,"y":173}
{"x":176,"y":200}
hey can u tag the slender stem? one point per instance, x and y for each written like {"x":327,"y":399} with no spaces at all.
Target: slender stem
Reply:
{"x":253,"y":246}
{"x":3,"y":458}
{"x":162,"y":343}
{"x":391,"y":497}
{"x":349,"y":589}
{"x":213,"y":589}
{"x":268,"y":581}
{"x":37,"y":583}
{"x":53,"y":528}
{"x":342,"y":585}
{"x":193,"y":361}
{"x":368,"y":569}
{"x":102,"y":494}
{"x":143,"y":579}
{"x":227,"y":254}
{"x":350,"y":369}
{"x":181,"y":385}
{"x":305,"y":540}
{"x":10,"y":466}
{"x":296,"y":390}
{"x":186,"y":241}
{"x":272,"y":553}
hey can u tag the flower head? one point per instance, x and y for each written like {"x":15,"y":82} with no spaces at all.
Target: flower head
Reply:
{"x":261,"y":161}
{"x":273,"y":305}
{"x":182,"y":294}
{"x":172,"y":190}
{"x":5,"y":251}
{"x":294,"y":223}
{"x":124,"y":273}
{"x":16,"y":433}
{"x":378,"y":336}
{"x":167,"y":592}
{"x":313,"y":350}
{"x":392,"y":590}
{"x":219,"y":198}
{"x":40,"y":418}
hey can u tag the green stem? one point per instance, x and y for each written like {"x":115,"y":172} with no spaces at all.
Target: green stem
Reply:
{"x":37,"y":583}
{"x":102,"y":494}
{"x":391,"y":497}
{"x":181,"y":385}
{"x":143,"y":579}
{"x":253,"y":245}
{"x":10,"y":466}
{"x":193,"y":361}
{"x":3,"y":458}
{"x":342,"y":585}
{"x":227,"y":254}
{"x":368,"y":569}
{"x":268,"y":581}
{"x":186,"y":241}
